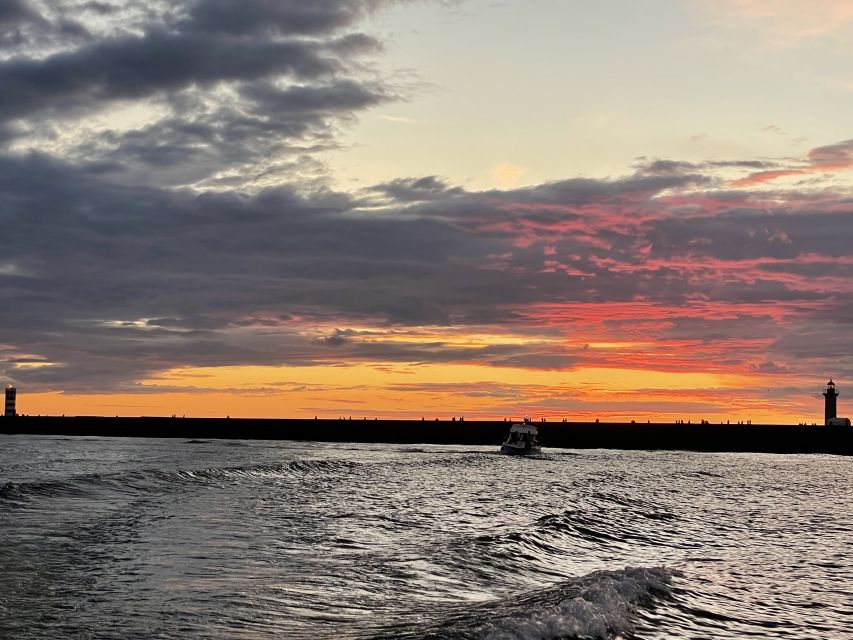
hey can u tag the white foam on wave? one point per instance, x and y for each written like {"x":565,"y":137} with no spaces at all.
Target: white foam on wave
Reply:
{"x":601,"y":605}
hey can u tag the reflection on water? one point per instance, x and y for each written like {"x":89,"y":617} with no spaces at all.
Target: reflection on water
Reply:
{"x":145,"y":538}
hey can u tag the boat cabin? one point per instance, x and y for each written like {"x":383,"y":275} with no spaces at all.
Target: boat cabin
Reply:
{"x":522,"y":433}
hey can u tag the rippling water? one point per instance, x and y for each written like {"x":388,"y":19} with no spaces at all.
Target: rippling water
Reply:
{"x":122,"y":538}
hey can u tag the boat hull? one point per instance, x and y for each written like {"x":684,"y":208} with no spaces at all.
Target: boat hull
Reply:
{"x":510,"y":450}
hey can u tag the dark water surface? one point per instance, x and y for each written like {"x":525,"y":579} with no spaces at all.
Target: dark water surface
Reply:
{"x":132,"y":538}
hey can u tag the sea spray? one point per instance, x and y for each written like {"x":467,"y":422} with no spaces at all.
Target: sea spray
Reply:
{"x":600,"y":605}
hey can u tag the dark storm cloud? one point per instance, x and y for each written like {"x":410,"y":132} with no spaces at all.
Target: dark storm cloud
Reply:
{"x":232,"y":82}
{"x":137,"y":67}
{"x":107,"y":253}
{"x":201,"y":49}
{"x":112,"y":282}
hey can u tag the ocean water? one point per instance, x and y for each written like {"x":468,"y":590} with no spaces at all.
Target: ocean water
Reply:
{"x":134,"y":538}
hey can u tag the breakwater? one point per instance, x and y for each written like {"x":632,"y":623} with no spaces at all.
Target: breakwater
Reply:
{"x":578,"y":435}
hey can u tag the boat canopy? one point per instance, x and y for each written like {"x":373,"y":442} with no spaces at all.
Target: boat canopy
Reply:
{"x":524,"y":428}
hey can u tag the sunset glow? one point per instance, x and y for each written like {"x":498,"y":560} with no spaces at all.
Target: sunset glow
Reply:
{"x":354,"y":217}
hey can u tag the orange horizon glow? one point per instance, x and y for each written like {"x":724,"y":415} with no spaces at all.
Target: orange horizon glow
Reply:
{"x":613,"y":361}
{"x":614,"y":364}
{"x":608,"y":394}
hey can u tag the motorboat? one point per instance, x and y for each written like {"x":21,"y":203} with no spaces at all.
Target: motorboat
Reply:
{"x":523,"y":439}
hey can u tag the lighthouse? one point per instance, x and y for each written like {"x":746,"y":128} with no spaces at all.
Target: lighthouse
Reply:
{"x":10,"y":401}
{"x":829,"y":411}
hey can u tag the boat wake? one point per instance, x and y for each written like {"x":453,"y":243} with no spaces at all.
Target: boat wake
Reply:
{"x":159,"y":481}
{"x":601,"y":605}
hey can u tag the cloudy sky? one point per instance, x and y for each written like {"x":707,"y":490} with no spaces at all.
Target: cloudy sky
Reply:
{"x":621,"y":209}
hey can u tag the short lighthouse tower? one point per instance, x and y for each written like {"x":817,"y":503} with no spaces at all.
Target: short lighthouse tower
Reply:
{"x":829,"y":410}
{"x":10,"y":401}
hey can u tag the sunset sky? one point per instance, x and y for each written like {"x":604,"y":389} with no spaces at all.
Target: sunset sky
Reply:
{"x":281,"y":208}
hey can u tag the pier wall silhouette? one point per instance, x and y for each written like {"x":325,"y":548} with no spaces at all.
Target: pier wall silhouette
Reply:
{"x":578,"y":435}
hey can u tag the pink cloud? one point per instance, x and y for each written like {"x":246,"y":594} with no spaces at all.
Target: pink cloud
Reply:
{"x":827,"y":159}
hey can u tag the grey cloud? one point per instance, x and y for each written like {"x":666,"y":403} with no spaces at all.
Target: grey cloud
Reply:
{"x":30,"y":28}
{"x":417,"y":189}
{"x":17,"y":18}
{"x":202,"y":49}
{"x":342,"y":95}
{"x":663,"y":166}
{"x":741,"y":327}
{"x":240,"y":83}
{"x":818,"y":340}
{"x":339,"y":338}
{"x":73,"y":29}
{"x":286,"y":17}
{"x":198,"y":265}
{"x":580,"y":191}
{"x":742,"y":164}
{"x":101,"y":8}
{"x":531,"y":355}
{"x":750,"y":234}
{"x":120,"y":253}
{"x":771,"y":366}
{"x":137,"y":67}
{"x":14,"y":11}
{"x":188,"y":147}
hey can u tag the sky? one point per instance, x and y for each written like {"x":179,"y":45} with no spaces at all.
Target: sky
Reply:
{"x":379,"y":208}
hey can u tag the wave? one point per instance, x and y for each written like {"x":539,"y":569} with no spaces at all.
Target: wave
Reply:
{"x":467,"y":459}
{"x":550,"y":533}
{"x":20,"y":491}
{"x":154,"y":480}
{"x":159,"y":481}
{"x":604,"y":527}
{"x":601,"y":605}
